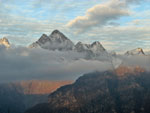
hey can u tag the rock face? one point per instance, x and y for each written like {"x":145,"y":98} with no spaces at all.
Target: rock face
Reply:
{"x":4,"y":41}
{"x":19,"y":96}
{"x":58,"y":41}
{"x":92,"y":51}
{"x":55,"y":41}
{"x":80,"y":47}
{"x":125,"y":70}
{"x":138,"y":51}
{"x":101,"y":92}
{"x":95,"y":47}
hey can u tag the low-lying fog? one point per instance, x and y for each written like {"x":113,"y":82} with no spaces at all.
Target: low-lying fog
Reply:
{"x":20,"y":63}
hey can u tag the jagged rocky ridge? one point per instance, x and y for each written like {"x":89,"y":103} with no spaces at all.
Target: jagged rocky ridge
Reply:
{"x":137,"y":51}
{"x":58,"y":41}
{"x":55,"y":41}
{"x":123,"y":91}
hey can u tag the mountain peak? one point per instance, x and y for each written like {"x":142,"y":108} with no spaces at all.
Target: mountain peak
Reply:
{"x":43,"y":39}
{"x":97,"y":46}
{"x":83,"y":44}
{"x":81,"y":47}
{"x":44,"y":35}
{"x":55,"y":31}
{"x":79,"y":43}
{"x":57,"y":35}
{"x":137,"y":51}
{"x":58,"y":41}
{"x":55,"y":41}
{"x":96,"y":43}
{"x":92,"y":50}
{"x":4,"y":41}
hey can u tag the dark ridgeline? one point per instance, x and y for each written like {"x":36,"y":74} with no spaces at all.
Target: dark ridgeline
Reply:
{"x":101,"y":92}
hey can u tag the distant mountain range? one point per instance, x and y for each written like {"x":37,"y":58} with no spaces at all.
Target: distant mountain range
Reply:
{"x":58,"y":41}
{"x":125,"y":90}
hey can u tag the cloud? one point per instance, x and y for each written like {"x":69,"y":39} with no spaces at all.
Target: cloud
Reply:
{"x":142,"y":61}
{"x":19,"y":63}
{"x":100,"y":15}
{"x":27,"y":64}
{"x":106,"y":13}
{"x":141,"y":22}
{"x":128,"y":2}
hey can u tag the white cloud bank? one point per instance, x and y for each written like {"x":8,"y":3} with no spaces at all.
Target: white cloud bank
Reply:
{"x":27,"y":64}
{"x":37,"y":64}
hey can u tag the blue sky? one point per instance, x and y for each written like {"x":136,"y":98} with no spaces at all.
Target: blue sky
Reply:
{"x":119,"y":25}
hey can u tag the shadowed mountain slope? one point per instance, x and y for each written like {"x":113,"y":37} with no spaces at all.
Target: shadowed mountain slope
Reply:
{"x":102,"y":92}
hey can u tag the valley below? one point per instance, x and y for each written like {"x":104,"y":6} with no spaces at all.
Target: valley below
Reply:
{"x":16,"y":97}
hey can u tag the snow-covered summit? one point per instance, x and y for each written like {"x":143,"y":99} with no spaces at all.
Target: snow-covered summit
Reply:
{"x":138,"y":51}
{"x":81,"y":47}
{"x":55,"y":41}
{"x":4,"y":41}
{"x":95,"y":47}
{"x":58,"y":41}
{"x":57,"y":35}
{"x":92,"y":51}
